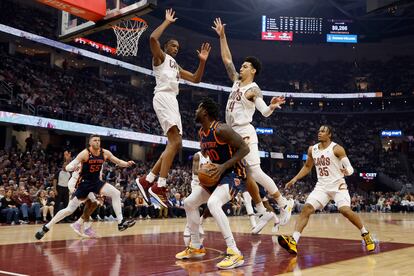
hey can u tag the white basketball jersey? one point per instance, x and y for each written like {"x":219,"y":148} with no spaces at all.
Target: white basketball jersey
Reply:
{"x":327,"y":167}
{"x":239,"y":110}
{"x":167,"y":76}
{"x":203,"y":160}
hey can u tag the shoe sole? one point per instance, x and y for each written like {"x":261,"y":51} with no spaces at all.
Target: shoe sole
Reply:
{"x":283,"y":243}
{"x":142,"y":190}
{"x":128,"y":226}
{"x":157,"y":198}
{"x":239,"y":263}
{"x":191,"y":257}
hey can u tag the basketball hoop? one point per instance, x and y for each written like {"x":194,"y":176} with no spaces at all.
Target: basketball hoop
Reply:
{"x":127,"y":34}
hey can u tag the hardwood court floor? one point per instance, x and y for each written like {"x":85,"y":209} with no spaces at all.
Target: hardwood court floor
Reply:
{"x":330,"y":245}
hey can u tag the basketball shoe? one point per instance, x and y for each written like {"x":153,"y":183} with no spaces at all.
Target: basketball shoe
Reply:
{"x":77,"y":227}
{"x":231,"y":260}
{"x":160,"y":194}
{"x":191,"y":252}
{"x":90,"y":233}
{"x":286,"y":212}
{"x":262,"y":221}
{"x":143,"y":186}
{"x":369,"y":241}
{"x":39,"y":234}
{"x":125,"y":224}
{"x":288,"y":243}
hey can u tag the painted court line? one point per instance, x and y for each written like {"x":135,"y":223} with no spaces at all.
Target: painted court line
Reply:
{"x":12,"y":273}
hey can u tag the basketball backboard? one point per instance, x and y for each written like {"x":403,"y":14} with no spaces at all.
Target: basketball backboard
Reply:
{"x":71,"y":26}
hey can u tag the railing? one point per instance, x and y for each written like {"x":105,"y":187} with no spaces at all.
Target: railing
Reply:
{"x":6,"y":88}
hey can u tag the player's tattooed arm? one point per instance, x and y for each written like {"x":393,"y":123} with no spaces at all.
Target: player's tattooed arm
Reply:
{"x":231,"y":71}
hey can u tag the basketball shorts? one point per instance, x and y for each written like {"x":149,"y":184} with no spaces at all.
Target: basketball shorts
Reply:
{"x":228,"y":179}
{"x":87,"y":186}
{"x":168,"y":113}
{"x":319,"y":197}
{"x":249,"y":135}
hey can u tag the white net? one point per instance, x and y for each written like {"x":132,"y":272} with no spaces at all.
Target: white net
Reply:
{"x":127,"y":34}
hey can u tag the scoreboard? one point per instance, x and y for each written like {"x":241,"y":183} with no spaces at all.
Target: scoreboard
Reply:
{"x":308,"y":29}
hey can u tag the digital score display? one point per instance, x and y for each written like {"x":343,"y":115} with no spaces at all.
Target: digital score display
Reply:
{"x":307,"y":29}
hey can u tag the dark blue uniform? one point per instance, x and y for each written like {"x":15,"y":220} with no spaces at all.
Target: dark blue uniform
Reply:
{"x":219,"y":153}
{"x":89,"y":177}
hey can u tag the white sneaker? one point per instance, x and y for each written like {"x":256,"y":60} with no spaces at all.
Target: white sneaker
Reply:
{"x":262,"y":221}
{"x":286,"y":212}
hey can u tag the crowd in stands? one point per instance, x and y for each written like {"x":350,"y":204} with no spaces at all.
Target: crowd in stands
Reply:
{"x":336,"y":76}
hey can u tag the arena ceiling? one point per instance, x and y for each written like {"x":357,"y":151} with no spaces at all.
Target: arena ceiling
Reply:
{"x":243,"y":17}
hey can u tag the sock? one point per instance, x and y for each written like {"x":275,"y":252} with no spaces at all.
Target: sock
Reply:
{"x":231,"y":243}
{"x":296,"y":236}
{"x":260,"y":208}
{"x":80,"y":220}
{"x":281,"y":201}
{"x":201,"y":220}
{"x":162,"y":182}
{"x":363,"y":230}
{"x":150,"y":177}
{"x":252,"y":220}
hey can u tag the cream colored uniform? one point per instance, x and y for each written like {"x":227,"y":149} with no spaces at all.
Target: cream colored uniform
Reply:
{"x":167,"y":76}
{"x":239,"y":115}
{"x":203,"y":160}
{"x":331,"y":184}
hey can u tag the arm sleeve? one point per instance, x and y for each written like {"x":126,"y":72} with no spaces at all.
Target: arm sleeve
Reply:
{"x":263,"y":107}
{"x":347,"y":165}
{"x":72,"y":165}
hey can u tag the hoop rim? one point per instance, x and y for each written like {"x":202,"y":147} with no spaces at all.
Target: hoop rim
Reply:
{"x":138,"y":19}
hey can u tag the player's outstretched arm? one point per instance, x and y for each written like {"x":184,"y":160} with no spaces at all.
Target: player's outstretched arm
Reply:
{"x":304,"y":171}
{"x":74,"y":164}
{"x":255,"y":95}
{"x":155,"y":46}
{"x":109,"y":156}
{"x":225,"y":50}
{"x":198,"y":74}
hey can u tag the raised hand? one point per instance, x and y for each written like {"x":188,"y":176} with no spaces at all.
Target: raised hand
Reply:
{"x":276,"y":102}
{"x":218,"y":27}
{"x":169,"y":15}
{"x":131,"y":163}
{"x":204,"y":51}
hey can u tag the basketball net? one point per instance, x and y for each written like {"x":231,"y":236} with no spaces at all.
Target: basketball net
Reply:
{"x":127,"y":34}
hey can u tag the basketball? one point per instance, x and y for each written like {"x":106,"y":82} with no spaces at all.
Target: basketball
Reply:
{"x":204,"y":174}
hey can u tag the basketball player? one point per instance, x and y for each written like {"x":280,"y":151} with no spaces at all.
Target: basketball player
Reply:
{"x":92,"y":159}
{"x":198,"y":159}
{"x":244,"y":99}
{"x":225,"y":149}
{"x":332,"y":164}
{"x":167,"y":75}
{"x":90,"y":206}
